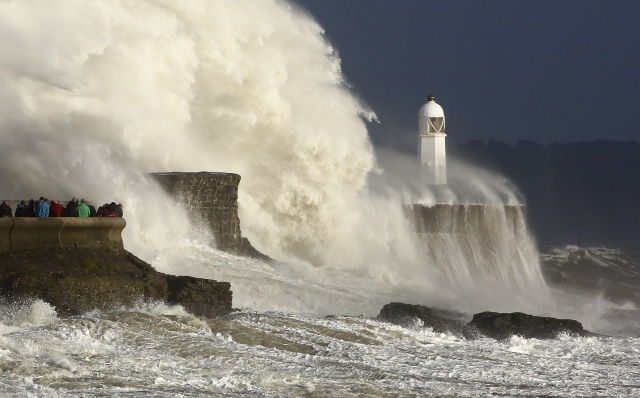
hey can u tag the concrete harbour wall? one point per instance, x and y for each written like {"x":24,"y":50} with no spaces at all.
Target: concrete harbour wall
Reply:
{"x":443,"y":218}
{"x":26,"y":233}
{"x":477,"y":247}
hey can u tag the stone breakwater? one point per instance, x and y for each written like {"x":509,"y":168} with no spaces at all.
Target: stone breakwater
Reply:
{"x":211,"y":198}
{"x":79,"y":265}
{"x":452,"y":219}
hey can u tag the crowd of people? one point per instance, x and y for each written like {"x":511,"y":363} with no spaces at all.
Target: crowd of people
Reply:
{"x":53,"y":208}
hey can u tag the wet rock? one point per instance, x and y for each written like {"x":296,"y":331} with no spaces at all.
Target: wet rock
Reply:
{"x":80,"y":280}
{"x":246,"y":249}
{"x":196,"y":295}
{"x":504,"y":325}
{"x":406,"y":315}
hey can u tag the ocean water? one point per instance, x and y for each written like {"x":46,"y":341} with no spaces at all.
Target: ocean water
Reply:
{"x":96,"y":95}
{"x":159,"y":351}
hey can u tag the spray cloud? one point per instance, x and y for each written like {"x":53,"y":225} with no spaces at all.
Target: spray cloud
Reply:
{"x":97,"y":94}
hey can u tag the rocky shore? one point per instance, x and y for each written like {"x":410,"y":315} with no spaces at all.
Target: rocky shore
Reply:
{"x":495,"y":325}
{"x":80,"y":265}
{"x":76,"y":280}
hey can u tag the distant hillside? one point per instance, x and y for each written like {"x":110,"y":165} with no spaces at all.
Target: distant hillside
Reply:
{"x":584,"y":193}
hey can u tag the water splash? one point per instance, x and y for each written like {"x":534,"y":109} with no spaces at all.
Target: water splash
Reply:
{"x":25,"y":313}
{"x":97,"y":94}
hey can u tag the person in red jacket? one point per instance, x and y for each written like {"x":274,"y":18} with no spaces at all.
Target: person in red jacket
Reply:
{"x":55,"y":210}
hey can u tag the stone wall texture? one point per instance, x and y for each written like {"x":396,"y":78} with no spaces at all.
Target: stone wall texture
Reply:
{"x":211,"y":197}
{"x":25,"y":233}
{"x":443,"y":218}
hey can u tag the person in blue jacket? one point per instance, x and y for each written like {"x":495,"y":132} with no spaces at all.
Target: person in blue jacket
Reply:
{"x":42,"y":209}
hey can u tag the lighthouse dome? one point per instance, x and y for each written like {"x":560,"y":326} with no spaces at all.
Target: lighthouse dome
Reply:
{"x":431,"y":108}
{"x":431,"y":118}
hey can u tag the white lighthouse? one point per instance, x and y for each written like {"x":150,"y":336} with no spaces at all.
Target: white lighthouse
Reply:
{"x":433,"y":157}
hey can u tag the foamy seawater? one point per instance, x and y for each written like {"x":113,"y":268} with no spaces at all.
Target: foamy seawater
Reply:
{"x":164,"y":352}
{"x":161,"y":351}
{"x":255,"y":88}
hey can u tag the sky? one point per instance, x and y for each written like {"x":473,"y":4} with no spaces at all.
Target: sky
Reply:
{"x":544,"y":71}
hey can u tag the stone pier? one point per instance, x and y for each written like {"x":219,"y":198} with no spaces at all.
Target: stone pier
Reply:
{"x":212,"y":198}
{"x":444,"y":218}
{"x":27,"y":233}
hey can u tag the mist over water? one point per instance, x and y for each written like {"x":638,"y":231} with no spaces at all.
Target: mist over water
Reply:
{"x":97,"y":94}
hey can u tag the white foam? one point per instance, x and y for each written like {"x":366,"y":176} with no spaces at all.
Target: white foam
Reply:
{"x":252,"y":353}
{"x":97,"y":94}
{"x":28,"y":313}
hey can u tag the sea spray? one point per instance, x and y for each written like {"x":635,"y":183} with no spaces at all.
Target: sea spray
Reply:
{"x":98,"y":94}
{"x":489,"y":260}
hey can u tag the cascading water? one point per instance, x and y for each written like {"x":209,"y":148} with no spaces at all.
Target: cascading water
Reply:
{"x":480,"y":249}
{"x":98,"y":94}
{"x":472,"y":235}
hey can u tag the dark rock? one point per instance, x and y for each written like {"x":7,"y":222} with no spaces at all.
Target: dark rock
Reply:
{"x":196,"y":295}
{"x":246,"y":249}
{"x":79,"y":280}
{"x":504,"y":325}
{"x":405,"y":315}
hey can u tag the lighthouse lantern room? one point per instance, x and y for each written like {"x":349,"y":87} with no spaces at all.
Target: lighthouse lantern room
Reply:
{"x":433,"y":159}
